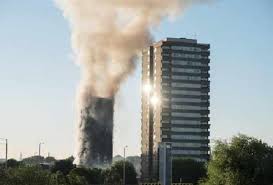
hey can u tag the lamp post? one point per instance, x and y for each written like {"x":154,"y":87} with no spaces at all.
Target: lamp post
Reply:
{"x":124,"y":165}
{"x":40,"y":148}
{"x":6,"y":140}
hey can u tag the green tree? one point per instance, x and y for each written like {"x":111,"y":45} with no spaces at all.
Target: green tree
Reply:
{"x":12,"y":163}
{"x":34,"y":160}
{"x":91,"y":176}
{"x":76,"y":180}
{"x":243,"y":161}
{"x":64,"y":166}
{"x":25,"y":176}
{"x":115,"y":174}
{"x":49,"y":159}
{"x":4,"y":177}
{"x":187,"y":170}
{"x":59,"y":178}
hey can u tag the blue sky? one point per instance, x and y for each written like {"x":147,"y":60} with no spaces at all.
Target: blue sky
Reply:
{"x":38,"y":77}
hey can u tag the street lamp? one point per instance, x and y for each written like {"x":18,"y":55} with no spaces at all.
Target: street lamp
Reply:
{"x":40,"y":148}
{"x":124,"y":150}
{"x":6,"y":140}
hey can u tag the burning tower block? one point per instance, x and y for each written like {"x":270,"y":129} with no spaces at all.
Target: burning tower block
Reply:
{"x":96,"y":133}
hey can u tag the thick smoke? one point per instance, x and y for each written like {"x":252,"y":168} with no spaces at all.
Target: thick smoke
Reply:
{"x":107,"y":36}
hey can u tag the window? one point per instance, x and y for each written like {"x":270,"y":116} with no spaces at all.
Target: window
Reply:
{"x":197,"y":70}
{"x":189,"y":122}
{"x":179,"y":62}
{"x":187,"y":144}
{"x":187,"y":107}
{"x":188,"y":137}
{"x":185,"y":92}
{"x":189,"y":152}
{"x":184,"y":62}
{"x":182,"y":114}
{"x":174,"y":84}
{"x":178,"y":129}
{"x":186,"y":70}
{"x":186,"y":48}
{"x":197,"y":100}
{"x":184,"y":55}
{"x":176,"y":77}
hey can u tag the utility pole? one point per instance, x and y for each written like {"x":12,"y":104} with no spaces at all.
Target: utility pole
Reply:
{"x":6,"y":153}
{"x":6,"y":140}
{"x":124,"y":165}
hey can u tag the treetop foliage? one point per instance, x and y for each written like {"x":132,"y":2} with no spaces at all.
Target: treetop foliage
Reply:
{"x":63,"y":172}
{"x":243,"y":161}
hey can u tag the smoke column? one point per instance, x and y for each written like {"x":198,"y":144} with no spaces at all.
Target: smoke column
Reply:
{"x":107,"y":36}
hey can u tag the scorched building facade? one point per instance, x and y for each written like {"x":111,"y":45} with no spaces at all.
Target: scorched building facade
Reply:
{"x":175,"y":102}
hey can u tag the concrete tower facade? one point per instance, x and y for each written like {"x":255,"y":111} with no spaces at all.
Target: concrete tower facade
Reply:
{"x":175,"y":102}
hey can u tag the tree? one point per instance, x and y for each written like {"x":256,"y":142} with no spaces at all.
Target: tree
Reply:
{"x":115,"y":174}
{"x":243,"y":161}
{"x":187,"y":170}
{"x":35,"y":175}
{"x":136,"y":161}
{"x":91,"y":176}
{"x":25,"y":176}
{"x":34,"y":160}
{"x":50,"y":159}
{"x":64,"y":166}
{"x":58,"y":178}
{"x":76,"y":180}
{"x":4,"y":177}
{"x":12,"y":163}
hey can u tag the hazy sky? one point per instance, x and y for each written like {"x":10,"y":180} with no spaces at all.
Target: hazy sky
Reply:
{"x":38,"y":77}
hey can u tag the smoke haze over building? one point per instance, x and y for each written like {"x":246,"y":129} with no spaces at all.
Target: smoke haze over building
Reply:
{"x":107,"y":36}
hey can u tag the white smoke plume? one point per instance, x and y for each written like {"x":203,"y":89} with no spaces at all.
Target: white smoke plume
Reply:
{"x":108,"y":35}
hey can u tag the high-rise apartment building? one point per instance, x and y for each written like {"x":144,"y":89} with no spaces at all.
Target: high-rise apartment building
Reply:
{"x":175,"y":102}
